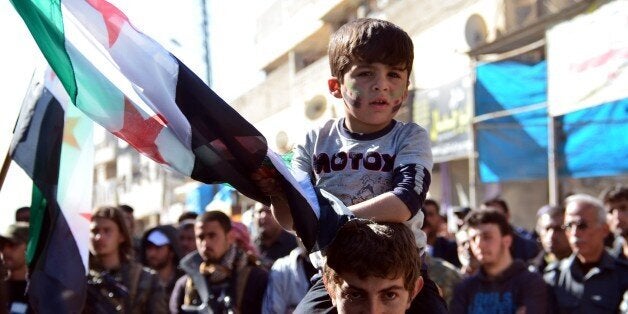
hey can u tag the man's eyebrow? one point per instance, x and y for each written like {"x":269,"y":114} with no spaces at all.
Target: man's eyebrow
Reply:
{"x":392,"y":288}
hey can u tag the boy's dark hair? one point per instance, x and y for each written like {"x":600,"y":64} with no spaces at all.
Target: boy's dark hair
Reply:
{"x":489,"y":216}
{"x":216,"y":215}
{"x":496,"y":201}
{"x":366,"y":248}
{"x":369,"y":40}
{"x":116,"y":215}
{"x":615,"y":193}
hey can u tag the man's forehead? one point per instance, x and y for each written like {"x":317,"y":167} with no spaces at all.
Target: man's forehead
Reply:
{"x":370,"y":283}
{"x":483,"y":228}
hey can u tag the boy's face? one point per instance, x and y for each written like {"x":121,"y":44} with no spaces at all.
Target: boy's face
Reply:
{"x":372,"y":94}
{"x":371,"y":295}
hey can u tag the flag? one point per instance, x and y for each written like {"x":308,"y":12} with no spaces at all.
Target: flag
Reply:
{"x":52,"y":142}
{"x":136,"y":89}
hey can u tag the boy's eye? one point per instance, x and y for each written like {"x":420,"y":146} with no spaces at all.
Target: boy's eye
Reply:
{"x":394,"y":74}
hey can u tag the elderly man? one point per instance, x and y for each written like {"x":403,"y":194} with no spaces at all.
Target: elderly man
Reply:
{"x":590,"y":280}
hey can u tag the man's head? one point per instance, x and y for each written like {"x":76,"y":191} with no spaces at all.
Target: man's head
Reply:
{"x":499,"y":205}
{"x":585,"y":225}
{"x":370,"y":63}
{"x":213,"y":236}
{"x":158,"y":250}
{"x":372,"y":267}
{"x":490,"y":237}
{"x":23,"y":214}
{"x":433,"y":220}
{"x":13,"y":246}
{"x":189,"y":215}
{"x":109,"y":233}
{"x":549,"y":227}
{"x":616,"y":202}
{"x":187,"y":239}
{"x":267,"y":225}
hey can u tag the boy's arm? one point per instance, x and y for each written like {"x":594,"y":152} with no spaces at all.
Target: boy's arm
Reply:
{"x":396,"y":210}
{"x":410,"y":185}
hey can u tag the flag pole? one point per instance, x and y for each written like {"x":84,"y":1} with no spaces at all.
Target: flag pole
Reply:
{"x":5,"y":168}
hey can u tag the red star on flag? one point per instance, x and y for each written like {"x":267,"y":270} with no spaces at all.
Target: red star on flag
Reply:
{"x":114,"y":18}
{"x":141,"y":133}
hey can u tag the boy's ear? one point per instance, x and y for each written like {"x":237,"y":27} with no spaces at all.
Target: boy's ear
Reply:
{"x":418,"y":285}
{"x":334,"y":87}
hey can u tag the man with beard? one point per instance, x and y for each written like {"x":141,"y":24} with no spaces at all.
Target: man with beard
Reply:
{"x":503,"y":284}
{"x":590,"y":280}
{"x":187,"y":240}
{"x":616,"y":202}
{"x":161,"y":253}
{"x":272,"y":240}
{"x":13,"y":246}
{"x":553,"y":239}
{"x":220,"y":277}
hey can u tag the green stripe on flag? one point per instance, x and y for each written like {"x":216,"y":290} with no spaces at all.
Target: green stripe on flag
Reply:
{"x":45,"y":21}
{"x":36,"y":220}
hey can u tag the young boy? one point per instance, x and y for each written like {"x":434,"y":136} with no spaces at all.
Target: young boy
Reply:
{"x":372,"y":268}
{"x":378,"y":167}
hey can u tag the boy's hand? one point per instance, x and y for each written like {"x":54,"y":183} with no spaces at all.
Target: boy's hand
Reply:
{"x":266,"y":179}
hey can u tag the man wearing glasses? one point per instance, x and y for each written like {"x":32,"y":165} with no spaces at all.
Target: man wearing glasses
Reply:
{"x":590,"y":280}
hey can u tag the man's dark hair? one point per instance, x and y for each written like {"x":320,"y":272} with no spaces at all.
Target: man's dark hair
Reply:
{"x":187,"y":215}
{"x":552,"y":210}
{"x":19,"y":211}
{"x":614,"y":194}
{"x":369,"y":40}
{"x":489,"y":216}
{"x":429,"y":201}
{"x":216,"y":215}
{"x":126,"y":208}
{"x":116,"y":215}
{"x":496,"y":201}
{"x":369,"y":249}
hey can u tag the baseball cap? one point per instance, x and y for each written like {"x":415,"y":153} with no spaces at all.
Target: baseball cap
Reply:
{"x":158,"y":238}
{"x":15,"y":233}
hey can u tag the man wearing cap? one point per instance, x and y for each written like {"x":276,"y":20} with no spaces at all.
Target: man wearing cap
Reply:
{"x":161,"y":252}
{"x":13,"y":245}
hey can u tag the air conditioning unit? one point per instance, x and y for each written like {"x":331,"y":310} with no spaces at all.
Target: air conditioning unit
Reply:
{"x":475,"y":31}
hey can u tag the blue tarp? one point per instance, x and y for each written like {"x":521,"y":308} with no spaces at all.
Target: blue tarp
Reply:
{"x":513,"y":147}
{"x":595,"y":141}
{"x":591,"y":142}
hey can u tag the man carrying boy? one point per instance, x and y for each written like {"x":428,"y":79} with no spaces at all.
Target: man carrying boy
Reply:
{"x":372,"y":268}
{"x":378,"y":167}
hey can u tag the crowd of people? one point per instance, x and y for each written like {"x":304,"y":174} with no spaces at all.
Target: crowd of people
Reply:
{"x":387,"y":248}
{"x":578,"y":265}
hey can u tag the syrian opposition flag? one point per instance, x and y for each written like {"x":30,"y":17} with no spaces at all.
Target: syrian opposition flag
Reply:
{"x":133,"y":87}
{"x":52,"y":142}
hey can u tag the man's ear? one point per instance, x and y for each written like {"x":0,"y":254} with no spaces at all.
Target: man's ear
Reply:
{"x":334,"y":87}
{"x":507,"y":241}
{"x":418,"y":285}
{"x":329,"y":286}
